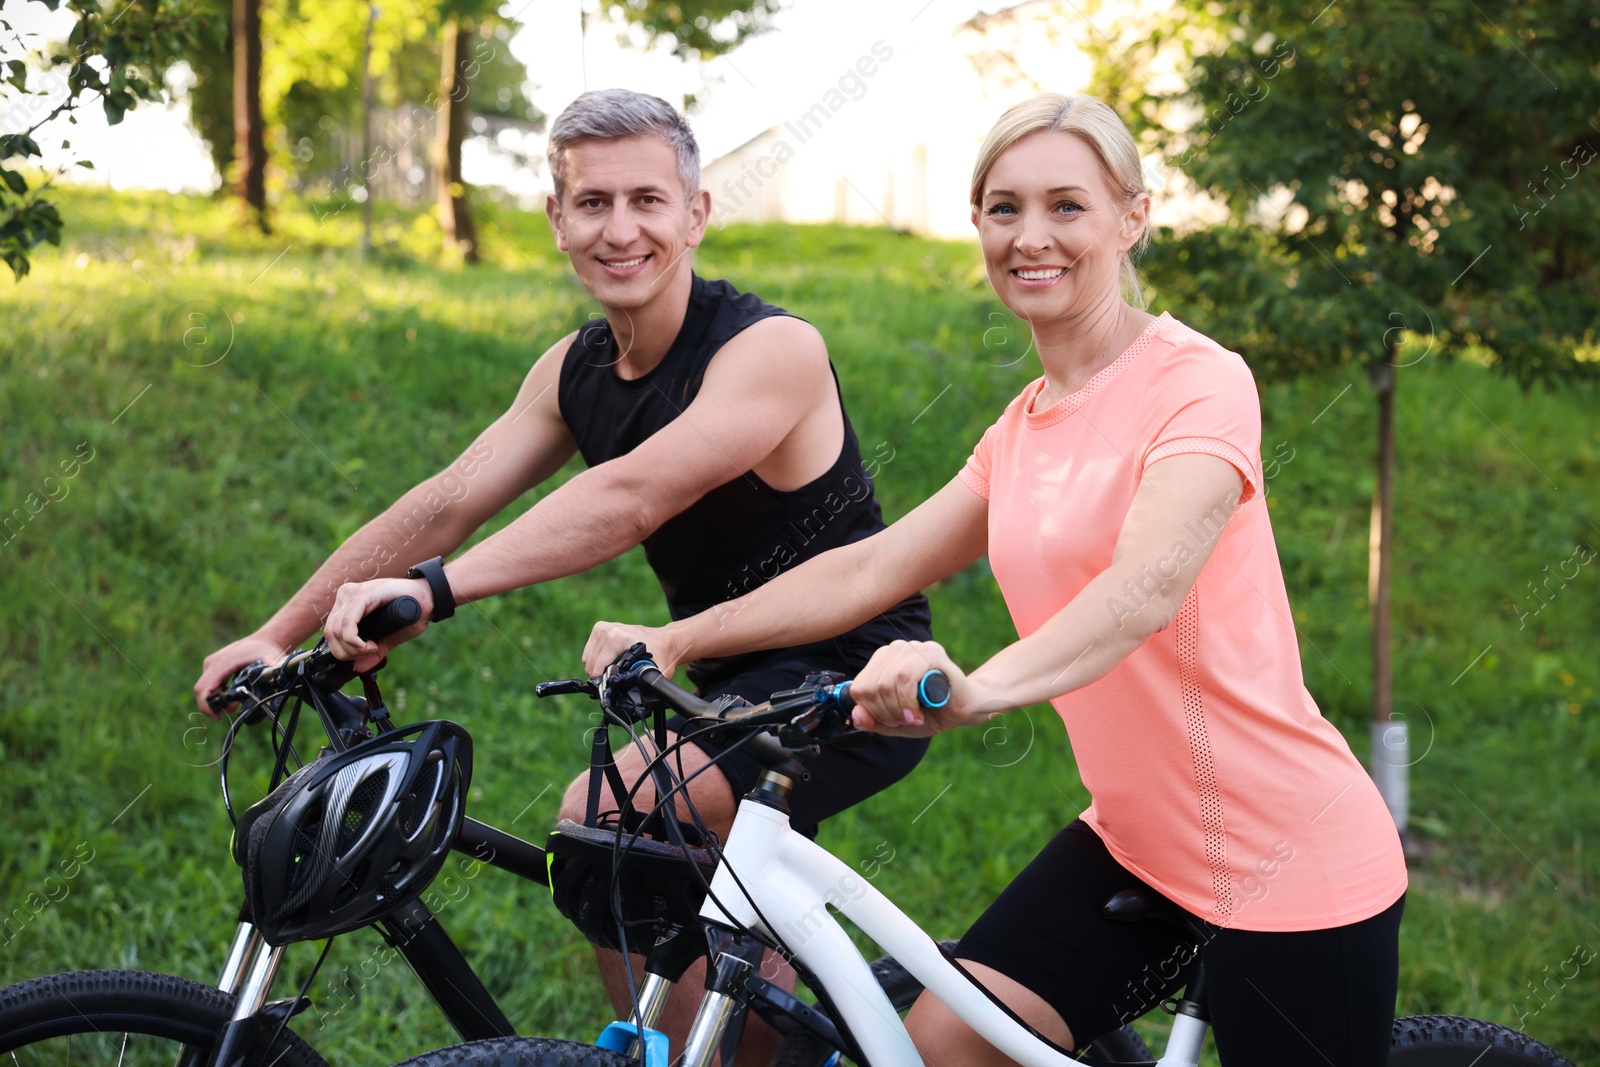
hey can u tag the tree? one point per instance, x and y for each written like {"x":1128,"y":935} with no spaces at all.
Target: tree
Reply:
{"x":457,"y":67}
{"x":249,"y":133}
{"x":698,"y":29}
{"x":1396,"y":178}
{"x":121,"y":60}
{"x":210,"y":96}
{"x":309,"y":96}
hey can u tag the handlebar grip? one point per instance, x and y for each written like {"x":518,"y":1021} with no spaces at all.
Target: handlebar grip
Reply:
{"x":933,"y":692}
{"x":391,"y":618}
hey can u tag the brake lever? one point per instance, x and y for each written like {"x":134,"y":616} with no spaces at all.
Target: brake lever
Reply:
{"x":237,"y":689}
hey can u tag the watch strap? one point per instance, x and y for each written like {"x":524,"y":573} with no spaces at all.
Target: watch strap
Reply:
{"x":432,"y":571}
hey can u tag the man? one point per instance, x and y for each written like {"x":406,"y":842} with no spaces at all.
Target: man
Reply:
{"x":714,"y":433}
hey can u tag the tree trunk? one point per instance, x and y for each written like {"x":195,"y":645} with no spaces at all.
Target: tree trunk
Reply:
{"x":1390,"y":737}
{"x":249,"y":137}
{"x":455,"y":86}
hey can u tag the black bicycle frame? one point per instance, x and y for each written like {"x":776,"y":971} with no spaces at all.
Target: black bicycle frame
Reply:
{"x":417,"y":933}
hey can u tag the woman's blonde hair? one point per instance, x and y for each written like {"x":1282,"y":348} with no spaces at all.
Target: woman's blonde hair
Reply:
{"x":1098,"y":126}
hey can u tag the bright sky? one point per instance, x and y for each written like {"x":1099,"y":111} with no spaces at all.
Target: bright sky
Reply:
{"x":771,"y":77}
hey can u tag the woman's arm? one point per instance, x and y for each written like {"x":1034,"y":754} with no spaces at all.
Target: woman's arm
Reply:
{"x":1171,"y":528}
{"x":824,"y":596}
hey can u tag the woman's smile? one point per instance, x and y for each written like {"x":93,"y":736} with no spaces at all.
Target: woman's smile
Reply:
{"x":1038,"y":277}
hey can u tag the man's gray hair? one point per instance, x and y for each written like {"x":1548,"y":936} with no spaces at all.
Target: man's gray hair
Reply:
{"x":606,"y":114}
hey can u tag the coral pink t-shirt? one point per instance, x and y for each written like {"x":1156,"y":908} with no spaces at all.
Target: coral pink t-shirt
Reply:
{"x":1213,"y":776}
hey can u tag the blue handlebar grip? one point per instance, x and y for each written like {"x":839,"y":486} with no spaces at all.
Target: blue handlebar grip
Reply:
{"x":933,"y":691}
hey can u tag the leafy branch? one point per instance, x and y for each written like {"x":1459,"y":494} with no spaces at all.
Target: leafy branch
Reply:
{"x":116,"y":56}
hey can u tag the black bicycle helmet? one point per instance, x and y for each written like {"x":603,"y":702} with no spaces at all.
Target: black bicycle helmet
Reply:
{"x":349,"y":838}
{"x":655,"y":882}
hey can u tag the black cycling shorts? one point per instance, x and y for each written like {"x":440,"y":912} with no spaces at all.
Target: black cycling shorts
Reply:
{"x":1302,"y":997}
{"x":840,"y":778}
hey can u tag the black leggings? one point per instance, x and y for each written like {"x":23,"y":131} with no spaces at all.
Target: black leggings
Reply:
{"x":1308,"y":997}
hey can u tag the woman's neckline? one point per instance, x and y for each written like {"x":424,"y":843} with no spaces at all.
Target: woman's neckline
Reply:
{"x":1070,"y":403}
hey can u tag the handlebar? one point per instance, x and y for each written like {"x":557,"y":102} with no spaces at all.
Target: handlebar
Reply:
{"x":816,"y":712}
{"x":318,"y":663}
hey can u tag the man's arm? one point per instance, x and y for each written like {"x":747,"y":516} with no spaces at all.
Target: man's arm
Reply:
{"x":520,"y":449}
{"x":755,"y":393}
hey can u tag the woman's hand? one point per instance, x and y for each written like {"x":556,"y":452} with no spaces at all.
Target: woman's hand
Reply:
{"x":608,"y":640}
{"x":354,"y":601}
{"x":885,"y":692}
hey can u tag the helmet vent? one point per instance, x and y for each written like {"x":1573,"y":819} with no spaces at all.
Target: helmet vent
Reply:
{"x":416,"y":804}
{"x":359,"y":811}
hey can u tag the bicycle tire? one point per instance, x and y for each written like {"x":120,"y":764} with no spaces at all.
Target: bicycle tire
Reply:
{"x":115,"y":1006}
{"x":805,"y":1049}
{"x":520,"y":1052}
{"x":1453,"y":1041}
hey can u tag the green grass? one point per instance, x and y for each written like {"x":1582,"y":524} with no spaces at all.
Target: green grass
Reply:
{"x":340,"y":384}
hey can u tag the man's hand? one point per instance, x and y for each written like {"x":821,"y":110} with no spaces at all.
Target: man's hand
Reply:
{"x":225,"y":661}
{"x":885,"y":692}
{"x":608,"y":640}
{"x":354,"y":601}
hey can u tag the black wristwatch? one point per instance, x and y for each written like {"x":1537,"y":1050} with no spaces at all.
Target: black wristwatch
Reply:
{"x":444,"y":601}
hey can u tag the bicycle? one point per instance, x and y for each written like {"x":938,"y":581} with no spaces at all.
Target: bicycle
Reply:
{"x":771,"y":890}
{"x":233,"y":1022}
{"x":109,"y":1014}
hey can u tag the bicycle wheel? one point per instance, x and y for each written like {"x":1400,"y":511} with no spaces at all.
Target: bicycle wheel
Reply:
{"x":1451,"y":1041}
{"x":128,"y":1018}
{"x":805,"y":1049}
{"x":521,"y":1052}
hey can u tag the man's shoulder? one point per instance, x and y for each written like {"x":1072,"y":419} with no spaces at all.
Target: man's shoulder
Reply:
{"x":740,"y":304}
{"x":798,"y":342}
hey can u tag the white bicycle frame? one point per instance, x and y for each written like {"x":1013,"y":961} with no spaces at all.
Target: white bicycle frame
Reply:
{"x":789,"y":881}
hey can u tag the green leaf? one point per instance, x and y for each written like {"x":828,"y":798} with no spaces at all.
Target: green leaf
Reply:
{"x":14,"y":181}
{"x":18,"y":144}
{"x":85,"y":164}
{"x":17,"y":261}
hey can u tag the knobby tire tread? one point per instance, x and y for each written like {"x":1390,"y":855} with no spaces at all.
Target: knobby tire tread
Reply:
{"x":27,"y":1008}
{"x":520,"y":1052}
{"x":1418,"y":1036}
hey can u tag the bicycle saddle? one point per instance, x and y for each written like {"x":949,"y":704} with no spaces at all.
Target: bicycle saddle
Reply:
{"x":1138,"y":905}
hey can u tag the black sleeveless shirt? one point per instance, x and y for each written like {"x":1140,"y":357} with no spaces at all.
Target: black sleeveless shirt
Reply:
{"x":743,"y":533}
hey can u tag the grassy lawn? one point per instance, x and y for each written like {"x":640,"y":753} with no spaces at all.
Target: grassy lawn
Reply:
{"x":231,"y":407}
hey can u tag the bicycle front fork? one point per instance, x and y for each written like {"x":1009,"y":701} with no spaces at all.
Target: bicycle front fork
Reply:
{"x":247,"y":975}
{"x":734,"y":961}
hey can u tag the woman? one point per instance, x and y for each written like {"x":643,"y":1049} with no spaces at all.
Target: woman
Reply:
{"x":1119,"y":499}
